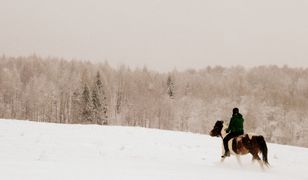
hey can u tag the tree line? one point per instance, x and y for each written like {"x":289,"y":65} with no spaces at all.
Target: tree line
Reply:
{"x":272,"y":99}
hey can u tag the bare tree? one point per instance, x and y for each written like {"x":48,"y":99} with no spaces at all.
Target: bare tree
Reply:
{"x":60,"y":91}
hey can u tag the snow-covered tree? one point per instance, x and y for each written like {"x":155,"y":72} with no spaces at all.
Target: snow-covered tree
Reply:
{"x":99,"y":100}
{"x":170,"y":86}
{"x":86,"y":105}
{"x":272,"y":99}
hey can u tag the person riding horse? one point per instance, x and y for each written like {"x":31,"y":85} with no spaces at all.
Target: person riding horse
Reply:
{"x":243,"y":144}
{"x":235,"y":128}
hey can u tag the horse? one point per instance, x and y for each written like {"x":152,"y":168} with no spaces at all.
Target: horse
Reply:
{"x":243,"y":144}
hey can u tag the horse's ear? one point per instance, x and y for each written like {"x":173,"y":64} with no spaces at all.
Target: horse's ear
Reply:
{"x":220,"y":122}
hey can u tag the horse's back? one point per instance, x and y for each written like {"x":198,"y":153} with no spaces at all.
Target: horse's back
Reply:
{"x":239,"y":145}
{"x":246,"y":143}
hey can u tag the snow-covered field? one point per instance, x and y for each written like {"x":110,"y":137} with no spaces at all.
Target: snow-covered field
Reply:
{"x":40,"y":151}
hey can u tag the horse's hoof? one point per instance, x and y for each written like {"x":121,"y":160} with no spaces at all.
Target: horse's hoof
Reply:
{"x":227,"y":154}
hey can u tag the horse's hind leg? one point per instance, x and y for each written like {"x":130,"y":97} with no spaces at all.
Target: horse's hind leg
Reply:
{"x":239,"y":160}
{"x":256,"y":157}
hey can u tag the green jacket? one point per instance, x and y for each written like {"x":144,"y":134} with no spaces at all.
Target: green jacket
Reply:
{"x":236,"y":124}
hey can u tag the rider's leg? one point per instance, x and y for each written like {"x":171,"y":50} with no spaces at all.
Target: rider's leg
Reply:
{"x":225,"y":141}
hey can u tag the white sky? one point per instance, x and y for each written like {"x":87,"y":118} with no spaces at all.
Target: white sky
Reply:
{"x":162,"y":34}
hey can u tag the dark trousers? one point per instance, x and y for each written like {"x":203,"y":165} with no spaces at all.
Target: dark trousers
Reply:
{"x":230,"y":136}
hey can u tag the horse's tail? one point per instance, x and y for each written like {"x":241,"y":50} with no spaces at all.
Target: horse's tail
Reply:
{"x":263,"y":147}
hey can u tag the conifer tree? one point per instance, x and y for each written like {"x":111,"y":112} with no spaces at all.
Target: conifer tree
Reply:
{"x":170,"y":86}
{"x":86,"y":105}
{"x":99,"y":101}
{"x":76,"y":107}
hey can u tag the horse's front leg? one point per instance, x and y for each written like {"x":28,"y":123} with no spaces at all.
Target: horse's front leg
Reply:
{"x":222,"y":149}
{"x":223,"y":152}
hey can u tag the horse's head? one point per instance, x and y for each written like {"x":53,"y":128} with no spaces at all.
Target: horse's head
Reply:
{"x":216,"y":131}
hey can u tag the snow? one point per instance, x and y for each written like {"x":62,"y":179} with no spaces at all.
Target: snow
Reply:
{"x":31,"y":150}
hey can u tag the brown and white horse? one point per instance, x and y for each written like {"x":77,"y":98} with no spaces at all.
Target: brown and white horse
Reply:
{"x":243,"y":144}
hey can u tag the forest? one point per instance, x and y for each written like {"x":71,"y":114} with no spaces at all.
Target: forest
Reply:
{"x":272,"y":99}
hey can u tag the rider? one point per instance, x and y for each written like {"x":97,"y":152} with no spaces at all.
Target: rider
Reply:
{"x":235,"y":128}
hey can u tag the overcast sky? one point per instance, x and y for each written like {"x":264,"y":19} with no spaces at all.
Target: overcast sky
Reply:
{"x":161,"y":34}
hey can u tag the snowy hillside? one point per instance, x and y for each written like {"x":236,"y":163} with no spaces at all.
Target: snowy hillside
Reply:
{"x":40,"y":151}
